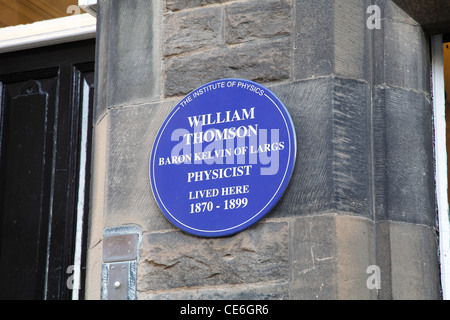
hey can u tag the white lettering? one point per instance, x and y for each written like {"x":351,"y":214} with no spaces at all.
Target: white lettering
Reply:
{"x":209,"y":119}
{"x":374,"y":21}
{"x":374,"y":281}
{"x":215,"y":174}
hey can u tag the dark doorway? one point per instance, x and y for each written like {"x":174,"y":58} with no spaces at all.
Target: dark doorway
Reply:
{"x":45,"y":126}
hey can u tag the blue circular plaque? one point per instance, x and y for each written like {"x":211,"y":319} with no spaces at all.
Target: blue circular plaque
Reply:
{"x":222,"y":158}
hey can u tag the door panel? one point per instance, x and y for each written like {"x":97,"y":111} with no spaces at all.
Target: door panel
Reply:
{"x":40,"y":131}
{"x":25,"y":211}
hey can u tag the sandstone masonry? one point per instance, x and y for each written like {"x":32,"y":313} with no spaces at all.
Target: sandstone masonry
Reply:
{"x":362,"y":191}
{"x":249,"y":39}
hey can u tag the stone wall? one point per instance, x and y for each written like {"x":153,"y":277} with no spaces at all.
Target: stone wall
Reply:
{"x":246,"y":39}
{"x":362,"y":192}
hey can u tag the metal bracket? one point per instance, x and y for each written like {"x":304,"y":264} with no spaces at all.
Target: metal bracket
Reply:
{"x":118,"y":281}
{"x":120,"y":247}
{"x":120,"y":258}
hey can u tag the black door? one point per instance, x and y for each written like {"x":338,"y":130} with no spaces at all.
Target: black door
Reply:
{"x":45,"y":120}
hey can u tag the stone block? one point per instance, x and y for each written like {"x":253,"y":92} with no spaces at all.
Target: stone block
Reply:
{"x":177,"y":5}
{"x":246,"y":21}
{"x":101,"y":63}
{"x":401,"y":56}
{"x":356,"y":252}
{"x":313,"y":33}
{"x":330,"y":256}
{"x":311,"y":187}
{"x":331,"y":38}
{"x":133,"y":53}
{"x":173,"y":260}
{"x":259,"y":291}
{"x":390,"y":10}
{"x":93,"y":272}
{"x":403,"y":156}
{"x":409,"y":261}
{"x":434,"y":16}
{"x":333,"y":166}
{"x":314,"y":258}
{"x":352,"y":39}
{"x":95,"y":221}
{"x":258,"y":61}
{"x":192,"y":30}
{"x":128,"y":193}
{"x":352,"y":146}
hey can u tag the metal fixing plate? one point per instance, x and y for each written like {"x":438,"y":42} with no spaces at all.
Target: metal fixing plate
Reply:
{"x":118,"y":281}
{"x":120,"y":247}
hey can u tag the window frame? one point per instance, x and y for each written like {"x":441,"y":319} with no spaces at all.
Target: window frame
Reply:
{"x":49,"y":32}
{"x":441,"y":164}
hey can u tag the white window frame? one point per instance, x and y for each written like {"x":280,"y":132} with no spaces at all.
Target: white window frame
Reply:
{"x":441,"y":162}
{"x":54,"y":31}
{"x":90,"y":6}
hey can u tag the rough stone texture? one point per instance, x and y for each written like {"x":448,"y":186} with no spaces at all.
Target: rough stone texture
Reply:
{"x":101,"y":65}
{"x":330,"y":256}
{"x":403,"y":150}
{"x":401,"y":55}
{"x":259,"y":291}
{"x":408,"y":258}
{"x":128,"y":195}
{"x":352,"y":42}
{"x":333,"y":167}
{"x":174,"y":260}
{"x":249,"y":39}
{"x":132,"y":38}
{"x":390,"y":10}
{"x":356,"y":251}
{"x":359,"y":100}
{"x":314,"y":258}
{"x":263,"y":62}
{"x":176,"y":5}
{"x":246,"y":21}
{"x":192,"y":30}
{"x":218,"y":26}
{"x":331,"y":38}
{"x":314,"y":30}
